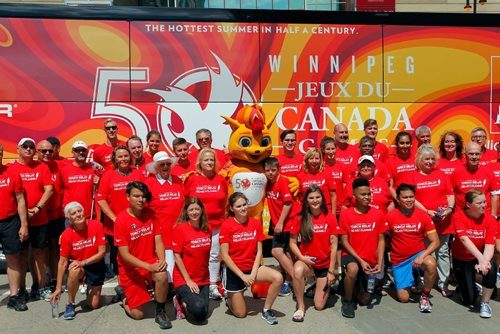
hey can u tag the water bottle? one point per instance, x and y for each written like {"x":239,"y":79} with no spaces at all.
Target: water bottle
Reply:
{"x":371,"y":284}
{"x":55,"y":309}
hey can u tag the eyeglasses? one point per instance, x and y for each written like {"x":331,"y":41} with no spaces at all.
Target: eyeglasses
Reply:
{"x":28,"y":147}
{"x":112,"y":127}
{"x":80,"y":150}
{"x":164,"y":164}
{"x":45,"y":151}
{"x":478,"y":137}
{"x":289,"y":140}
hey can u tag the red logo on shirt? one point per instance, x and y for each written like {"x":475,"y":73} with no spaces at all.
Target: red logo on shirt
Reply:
{"x":245,"y":183}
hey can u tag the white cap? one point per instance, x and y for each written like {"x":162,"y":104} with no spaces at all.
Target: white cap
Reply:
{"x":366,"y":157}
{"x":79,"y":143}
{"x":24,"y":140}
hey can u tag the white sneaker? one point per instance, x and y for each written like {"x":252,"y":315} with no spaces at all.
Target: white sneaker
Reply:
{"x":213,"y":292}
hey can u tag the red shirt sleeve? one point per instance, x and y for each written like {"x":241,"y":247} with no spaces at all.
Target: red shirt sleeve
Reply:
{"x":103,"y":192}
{"x":64,"y":244}
{"x":120,"y":234}
{"x":491,"y":230}
{"x":101,"y":238}
{"x":224,"y":234}
{"x":333,"y":225}
{"x":459,"y":226}
{"x":295,"y":225}
{"x":177,"y":240}
{"x":260,"y":230}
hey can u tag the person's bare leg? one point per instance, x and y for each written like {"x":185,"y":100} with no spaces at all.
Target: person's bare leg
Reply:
{"x":266,"y":274}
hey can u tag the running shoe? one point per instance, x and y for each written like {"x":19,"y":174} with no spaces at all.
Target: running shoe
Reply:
{"x":485,"y":310}
{"x":424,"y":304}
{"x":285,"y":289}
{"x":162,"y":320}
{"x":179,"y":312}
{"x":269,"y":317}
{"x":213,"y":292}
{"x":17,"y":303}
{"x":348,"y":309}
{"x":44,"y":294}
{"x":69,"y":313}
{"x":23,"y":293}
{"x":83,"y":289}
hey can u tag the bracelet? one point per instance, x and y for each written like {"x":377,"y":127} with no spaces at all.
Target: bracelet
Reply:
{"x":38,"y":207}
{"x":331,"y":272}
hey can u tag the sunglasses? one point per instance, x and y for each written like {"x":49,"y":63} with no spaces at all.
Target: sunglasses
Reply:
{"x":204,"y":139}
{"x":80,"y":150}
{"x":45,"y":151}
{"x":28,"y":147}
{"x":164,"y":164}
{"x":113,"y":127}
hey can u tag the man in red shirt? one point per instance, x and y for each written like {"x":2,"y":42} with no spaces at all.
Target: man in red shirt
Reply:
{"x":423,"y":135}
{"x":13,"y":229}
{"x":478,"y":135}
{"x":102,"y":153}
{"x":204,"y":140}
{"x":38,"y":189}
{"x":473,"y":175}
{"x":345,"y":152}
{"x":183,"y":165}
{"x":408,"y":226}
{"x":290,"y":161}
{"x":56,"y":145}
{"x":45,"y":154}
{"x":362,"y":235}
{"x":370,"y":126}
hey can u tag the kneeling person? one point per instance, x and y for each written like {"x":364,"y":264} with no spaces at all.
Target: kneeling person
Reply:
{"x":141,"y":258}
{"x":83,"y":245}
{"x":408,"y":226}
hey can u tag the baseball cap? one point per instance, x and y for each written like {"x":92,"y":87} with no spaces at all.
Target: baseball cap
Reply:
{"x":366,"y":157}
{"x":79,"y":143}
{"x":24,"y":140}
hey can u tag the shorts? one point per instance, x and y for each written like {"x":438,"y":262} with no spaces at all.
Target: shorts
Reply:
{"x":38,"y":238}
{"x":403,"y":273}
{"x":320,"y":273}
{"x":56,"y":228}
{"x":133,"y":281}
{"x":95,"y":273}
{"x":282,"y":241}
{"x":9,"y":235}
{"x":232,"y":282}
{"x":361,"y":279}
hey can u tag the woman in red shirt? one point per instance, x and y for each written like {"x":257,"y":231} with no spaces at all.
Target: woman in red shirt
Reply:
{"x":473,"y":249}
{"x":313,"y":173}
{"x":211,"y":189}
{"x":153,"y":140}
{"x":83,"y":246}
{"x":402,"y":162}
{"x":241,"y":250}
{"x":191,"y":246}
{"x":318,"y":230}
{"x":337,"y":171}
{"x":434,"y":195}
{"x":111,"y":195}
{"x":451,"y":150}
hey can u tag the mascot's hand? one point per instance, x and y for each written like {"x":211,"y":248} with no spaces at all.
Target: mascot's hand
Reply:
{"x":294,"y":186}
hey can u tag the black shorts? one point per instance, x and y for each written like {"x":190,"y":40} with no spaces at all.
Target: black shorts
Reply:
{"x":320,"y":273}
{"x":361,"y":279}
{"x":9,"y":235}
{"x":282,"y":241}
{"x":95,"y":273}
{"x":232,"y":282}
{"x":56,"y":228}
{"x":38,"y":238}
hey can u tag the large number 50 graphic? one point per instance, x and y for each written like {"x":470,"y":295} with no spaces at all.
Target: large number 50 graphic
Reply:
{"x":102,"y":107}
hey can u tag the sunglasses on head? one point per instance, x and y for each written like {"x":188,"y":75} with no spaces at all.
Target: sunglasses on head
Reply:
{"x":26,"y":146}
{"x":45,"y":151}
{"x":112,"y":127}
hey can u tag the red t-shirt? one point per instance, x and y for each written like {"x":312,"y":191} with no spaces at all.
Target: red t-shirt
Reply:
{"x":431,"y":191}
{"x":320,"y":179}
{"x":481,"y":231}
{"x":193,"y":245}
{"x":180,"y":171}
{"x":139,"y":235}
{"x":407,"y":233}
{"x":10,"y":184}
{"x":54,"y":206}
{"x":242,"y":240}
{"x":363,"y":231}
{"x":346,"y":156}
{"x":381,"y":195}
{"x":462,"y":180}
{"x":77,"y":184}
{"x":381,"y":151}
{"x":488,"y":156}
{"x":338,"y":173}
{"x":290,"y":166}
{"x":112,"y":189}
{"x":448,"y":166}
{"x":397,"y":167}
{"x":167,"y":202}
{"x":277,"y":194}
{"x":324,"y":226}
{"x":212,"y":193}
{"x":35,"y":177}
{"x":80,"y":245}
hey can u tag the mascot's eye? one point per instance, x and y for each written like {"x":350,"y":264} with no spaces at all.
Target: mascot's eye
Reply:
{"x":265,"y":141}
{"x":245,"y":141}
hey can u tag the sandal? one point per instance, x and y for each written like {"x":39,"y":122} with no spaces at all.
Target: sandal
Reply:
{"x":298,"y":316}
{"x":446,"y":293}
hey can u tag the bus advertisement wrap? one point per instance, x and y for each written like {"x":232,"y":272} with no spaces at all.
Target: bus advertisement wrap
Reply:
{"x":64,"y":77}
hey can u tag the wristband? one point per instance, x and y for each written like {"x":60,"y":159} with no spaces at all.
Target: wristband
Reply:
{"x":331,"y":272}
{"x":85,"y":263}
{"x":38,"y":207}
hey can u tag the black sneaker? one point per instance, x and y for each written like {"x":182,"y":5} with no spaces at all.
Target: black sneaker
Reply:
{"x":17,"y":303}
{"x":269,"y":317}
{"x":162,"y":320}
{"x":23,"y":294}
{"x":348,"y":309}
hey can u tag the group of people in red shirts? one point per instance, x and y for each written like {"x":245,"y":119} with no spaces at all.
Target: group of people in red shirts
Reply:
{"x":165,"y":222}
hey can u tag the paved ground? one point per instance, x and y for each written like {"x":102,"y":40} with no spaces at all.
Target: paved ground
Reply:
{"x":384,"y":315}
